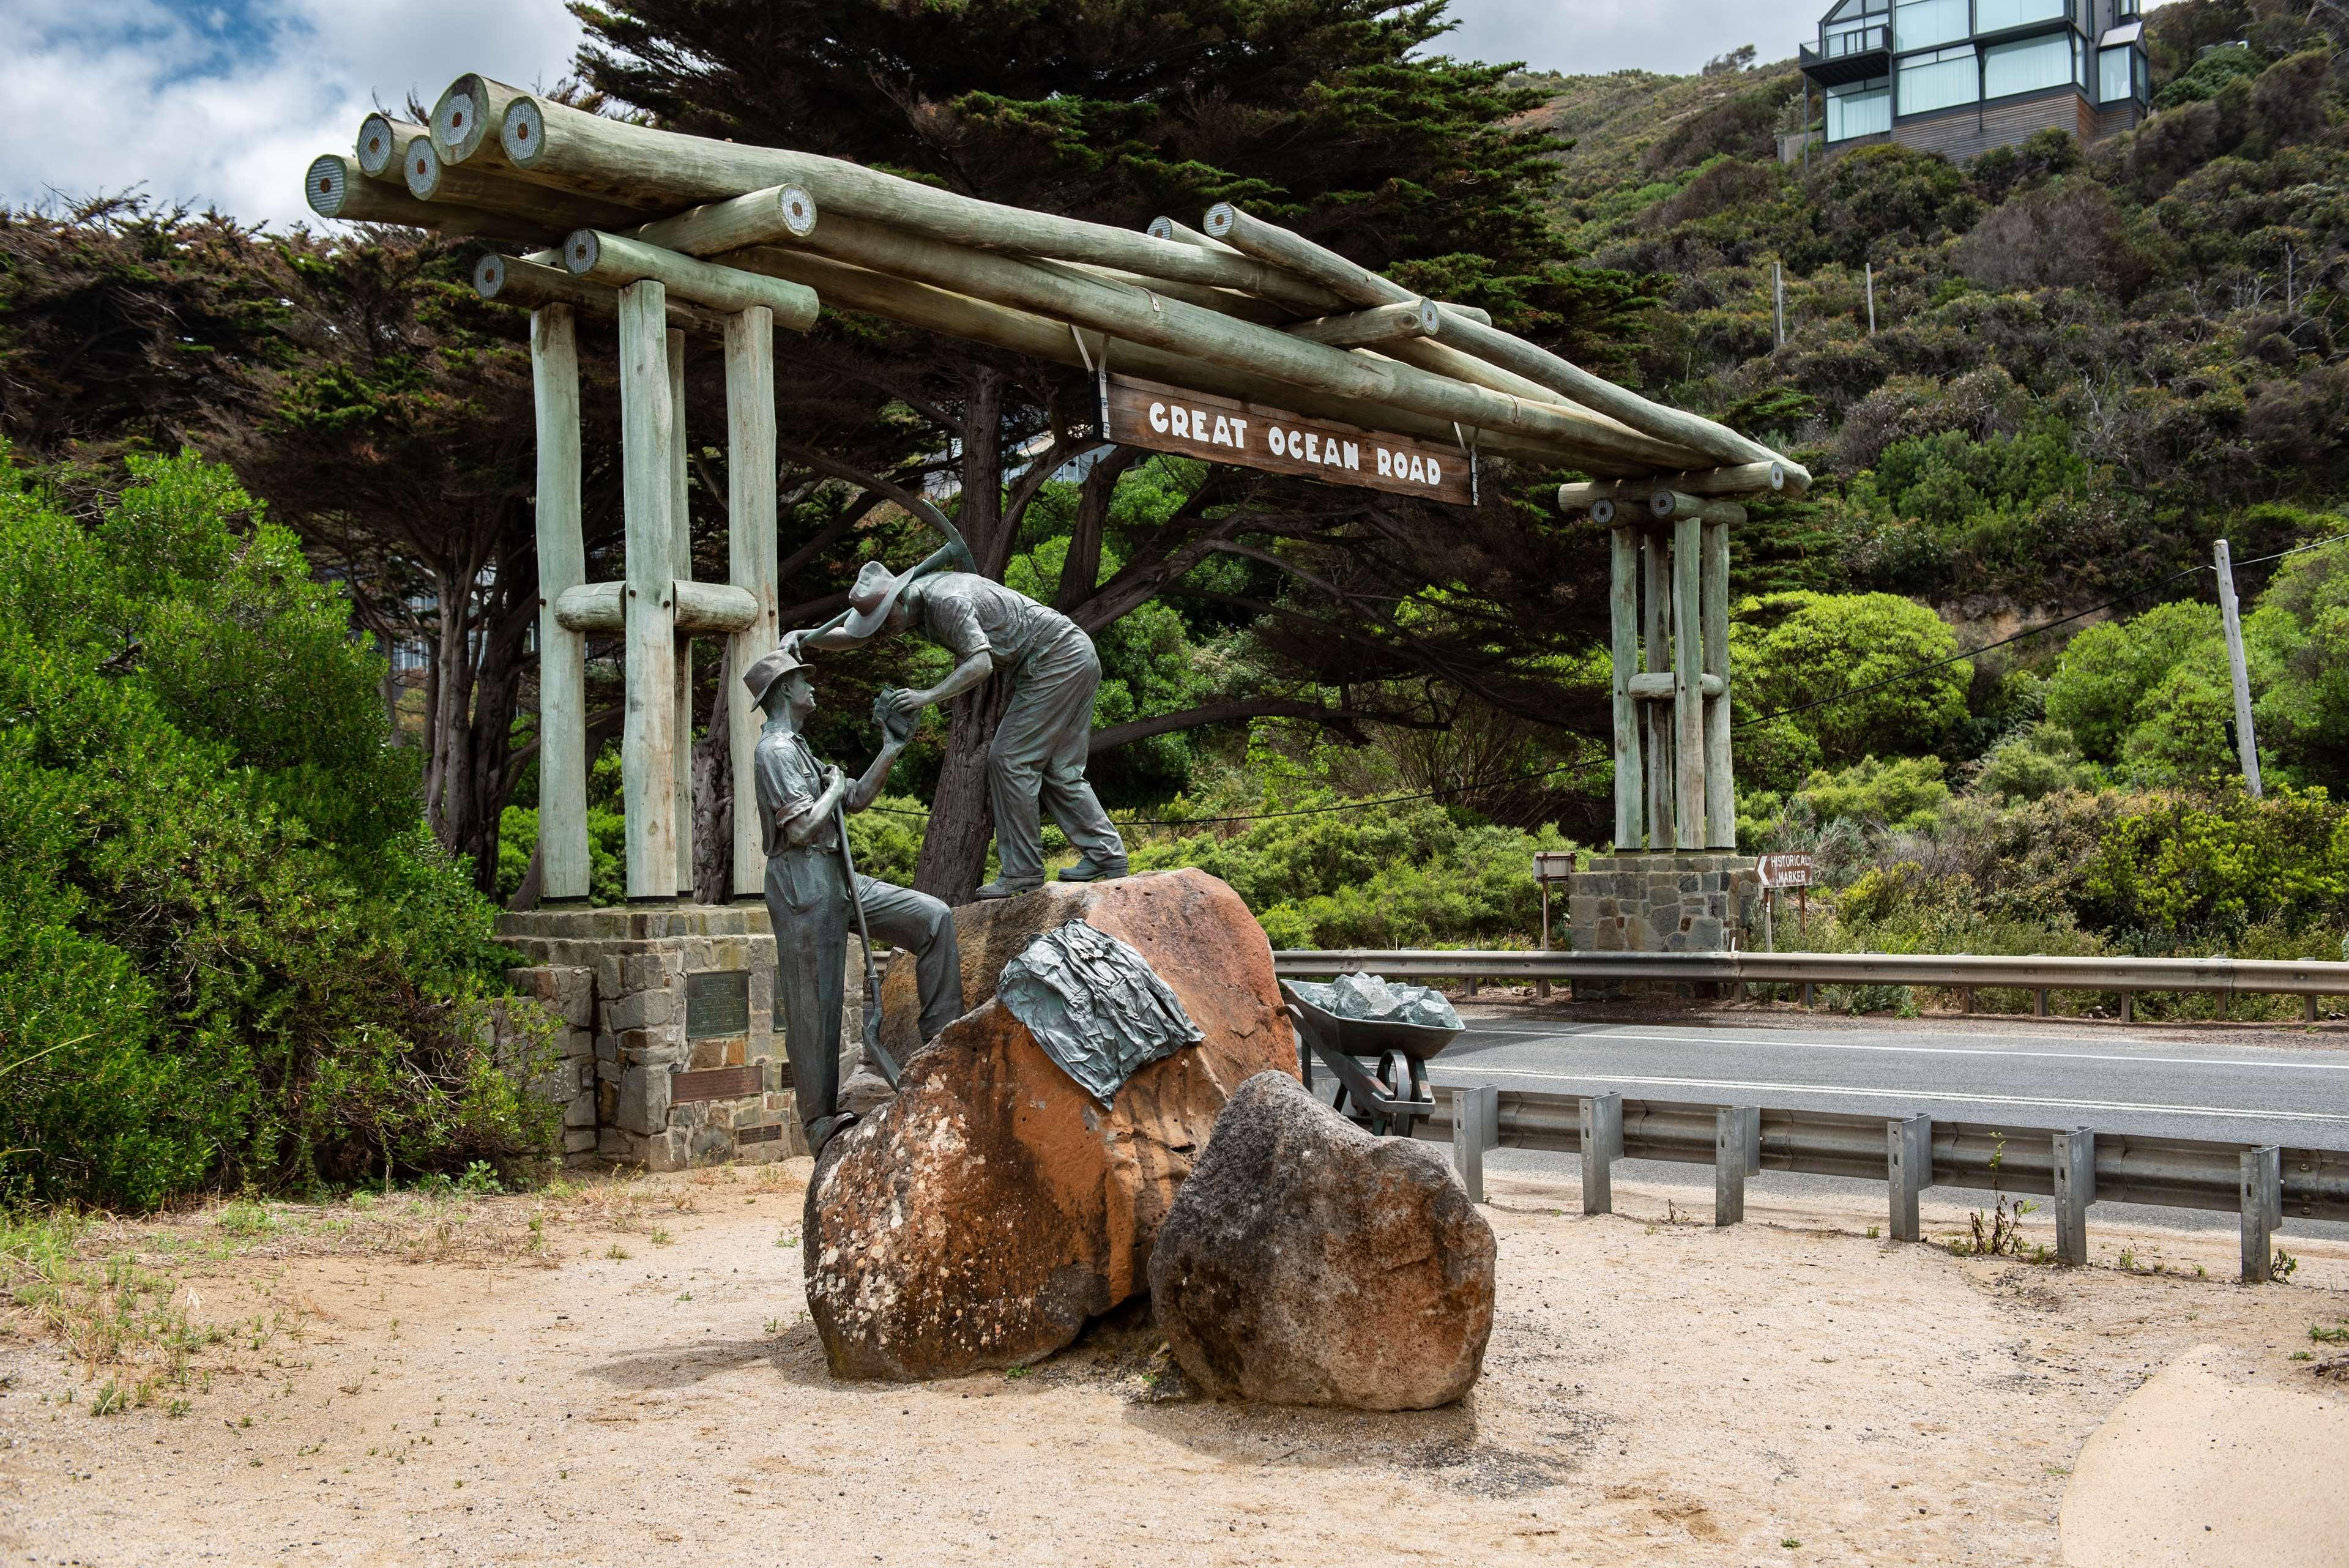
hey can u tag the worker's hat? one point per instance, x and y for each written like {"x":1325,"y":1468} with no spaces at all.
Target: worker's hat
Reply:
{"x":875,"y":590}
{"x":761,"y":677}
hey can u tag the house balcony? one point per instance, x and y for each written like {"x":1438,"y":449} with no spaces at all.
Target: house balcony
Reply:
{"x":1853,"y":55}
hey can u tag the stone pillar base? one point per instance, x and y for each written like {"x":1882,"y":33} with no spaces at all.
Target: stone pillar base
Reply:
{"x":678,"y":1050}
{"x":1663,"y":902}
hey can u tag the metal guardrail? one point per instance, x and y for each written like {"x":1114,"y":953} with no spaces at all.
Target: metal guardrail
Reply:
{"x":1961,"y":971}
{"x":2073,"y":1166}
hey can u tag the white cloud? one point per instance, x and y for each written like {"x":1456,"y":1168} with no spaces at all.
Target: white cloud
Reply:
{"x":224,"y":106}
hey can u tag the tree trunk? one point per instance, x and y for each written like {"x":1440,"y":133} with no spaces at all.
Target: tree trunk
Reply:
{"x":954,"y":849}
{"x":713,"y":797}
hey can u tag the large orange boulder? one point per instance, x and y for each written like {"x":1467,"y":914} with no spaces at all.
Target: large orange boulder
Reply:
{"x":979,"y":1217}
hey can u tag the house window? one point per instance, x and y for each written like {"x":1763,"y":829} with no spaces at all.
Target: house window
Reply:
{"x":1855,"y":26}
{"x":2124,"y":9}
{"x":2118,"y":76}
{"x":1997,"y":15}
{"x":2027,"y":66}
{"x":1937,"y":80}
{"x":1860,"y":108}
{"x":1920,"y":23}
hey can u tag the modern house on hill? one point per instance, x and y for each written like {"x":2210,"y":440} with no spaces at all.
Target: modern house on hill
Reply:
{"x":1961,"y":76}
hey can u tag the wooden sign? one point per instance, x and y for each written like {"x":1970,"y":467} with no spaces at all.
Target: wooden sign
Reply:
{"x":1252,"y":436}
{"x":1785,"y":871}
{"x":1553,"y":865}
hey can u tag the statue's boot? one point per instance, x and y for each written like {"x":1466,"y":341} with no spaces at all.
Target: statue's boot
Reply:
{"x":999,"y":887}
{"x":1089,"y":870}
{"x":824,"y":1129}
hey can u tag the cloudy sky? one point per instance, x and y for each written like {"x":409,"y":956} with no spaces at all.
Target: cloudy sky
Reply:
{"x":224,"y":103}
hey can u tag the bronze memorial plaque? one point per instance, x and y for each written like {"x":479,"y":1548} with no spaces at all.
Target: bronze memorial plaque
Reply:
{"x":716,"y":1083}
{"x":1252,"y":436}
{"x":717,"y":1003}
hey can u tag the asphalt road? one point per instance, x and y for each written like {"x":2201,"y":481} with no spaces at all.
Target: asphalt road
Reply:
{"x":2039,"y":1076}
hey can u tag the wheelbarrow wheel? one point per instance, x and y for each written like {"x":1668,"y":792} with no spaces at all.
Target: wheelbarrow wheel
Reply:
{"x":1394,"y":1083}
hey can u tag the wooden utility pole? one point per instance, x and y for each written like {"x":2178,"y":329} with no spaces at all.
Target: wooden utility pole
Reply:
{"x":2246,"y":744}
{"x":1870,"y":267}
{"x":562,"y":652}
{"x":1778,"y":301}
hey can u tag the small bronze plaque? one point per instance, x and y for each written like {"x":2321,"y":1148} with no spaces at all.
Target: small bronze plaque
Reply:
{"x":715,"y":1083}
{"x":716,"y":1002}
{"x":759,"y":1134}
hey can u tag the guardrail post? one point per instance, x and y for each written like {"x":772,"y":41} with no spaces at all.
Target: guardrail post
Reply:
{"x":1806,"y":993}
{"x":2262,"y":1198}
{"x":2039,"y":1003}
{"x":2128,"y":1006}
{"x":1602,"y":1145}
{"x":2075,"y":1188}
{"x":1476,"y":1127}
{"x":1965,"y":998}
{"x":1908,"y":1156}
{"x":2308,"y":1007}
{"x":1736,"y":1154}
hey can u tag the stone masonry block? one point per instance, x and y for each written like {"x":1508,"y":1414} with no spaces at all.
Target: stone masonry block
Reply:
{"x":643,"y":1106}
{"x":642,"y":1010}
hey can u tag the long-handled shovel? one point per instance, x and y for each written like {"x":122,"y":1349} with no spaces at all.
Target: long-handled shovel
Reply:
{"x":873,"y":1050}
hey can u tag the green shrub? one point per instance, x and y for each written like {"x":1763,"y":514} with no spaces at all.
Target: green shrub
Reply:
{"x":1793,"y":650}
{"x":233,"y":954}
{"x":1407,"y":875}
{"x":2219,"y":864}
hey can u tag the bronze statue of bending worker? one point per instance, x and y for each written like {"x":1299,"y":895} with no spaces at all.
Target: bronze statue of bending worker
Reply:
{"x":1036,"y":761}
{"x":808,"y":897}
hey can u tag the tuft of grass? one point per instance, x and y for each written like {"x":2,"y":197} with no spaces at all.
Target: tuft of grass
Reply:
{"x":2336,"y":1334}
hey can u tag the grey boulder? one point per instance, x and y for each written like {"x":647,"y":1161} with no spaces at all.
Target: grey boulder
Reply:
{"x":1308,"y":1263}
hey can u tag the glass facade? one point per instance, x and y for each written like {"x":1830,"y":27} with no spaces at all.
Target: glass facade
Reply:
{"x":1940,"y":80}
{"x":1860,"y":108}
{"x":1854,"y":26}
{"x":2028,"y":65}
{"x":1921,"y":23}
{"x":1997,"y":15}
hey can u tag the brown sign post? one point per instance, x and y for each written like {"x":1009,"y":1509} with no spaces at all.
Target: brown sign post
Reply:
{"x":1252,"y":436}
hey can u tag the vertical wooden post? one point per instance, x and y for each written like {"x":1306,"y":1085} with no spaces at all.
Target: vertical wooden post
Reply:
{"x":1720,"y":782}
{"x":648,"y":725}
{"x":1623,"y":619}
{"x":750,"y":559}
{"x":2247,"y":745}
{"x":1655,"y":552}
{"x":1778,"y":301}
{"x":681,"y":560}
{"x":1871,"y":298}
{"x":561,"y":655}
{"x":1688,"y":689}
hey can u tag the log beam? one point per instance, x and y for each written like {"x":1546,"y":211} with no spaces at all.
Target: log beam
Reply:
{"x":1742,"y":479}
{"x":431,"y":178}
{"x":1135,"y":315}
{"x":1666,"y":687}
{"x":465,"y":118}
{"x":382,"y":142}
{"x":614,"y":259}
{"x":1381,"y":324}
{"x":335,"y":188}
{"x":1360,"y":287}
{"x":510,"y":279}
{"x":701,"y":607}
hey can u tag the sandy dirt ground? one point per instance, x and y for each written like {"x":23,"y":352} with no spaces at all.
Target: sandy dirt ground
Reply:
{"x":621,"y":1372}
